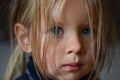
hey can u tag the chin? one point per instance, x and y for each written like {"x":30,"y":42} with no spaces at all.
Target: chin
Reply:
{"x":70,"y":77}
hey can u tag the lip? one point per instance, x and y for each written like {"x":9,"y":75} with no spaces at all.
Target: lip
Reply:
{"x":72,"y":67}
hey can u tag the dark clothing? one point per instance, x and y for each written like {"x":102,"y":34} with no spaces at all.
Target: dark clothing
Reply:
{"x":31,"y":74}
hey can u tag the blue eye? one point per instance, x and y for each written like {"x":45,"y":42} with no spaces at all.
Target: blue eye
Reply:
{"x":86,"y":31}
{"x":57,"y":31}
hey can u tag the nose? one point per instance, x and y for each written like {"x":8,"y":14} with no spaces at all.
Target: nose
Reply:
{"x":73,"y":45}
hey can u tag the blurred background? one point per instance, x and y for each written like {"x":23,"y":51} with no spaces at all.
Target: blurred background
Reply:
{"x":4,"y":36}
{"x":5,"y":47}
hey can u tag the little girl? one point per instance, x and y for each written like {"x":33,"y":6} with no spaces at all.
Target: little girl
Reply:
{"x":66,"y":39}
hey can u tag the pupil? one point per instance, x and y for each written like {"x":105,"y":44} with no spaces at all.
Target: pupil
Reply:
{"x":86,"y":31}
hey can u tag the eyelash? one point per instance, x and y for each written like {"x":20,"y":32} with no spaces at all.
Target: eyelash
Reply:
{"x":57,"y":31}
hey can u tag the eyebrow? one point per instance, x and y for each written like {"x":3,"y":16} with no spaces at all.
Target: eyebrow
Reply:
{"x":57,"y":22}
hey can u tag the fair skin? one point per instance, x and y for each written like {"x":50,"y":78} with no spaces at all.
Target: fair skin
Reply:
{"x":71,"y":47}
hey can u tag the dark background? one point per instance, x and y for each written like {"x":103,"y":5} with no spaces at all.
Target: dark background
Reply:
{"x":5,"y":47}
{"x":4,"y":20}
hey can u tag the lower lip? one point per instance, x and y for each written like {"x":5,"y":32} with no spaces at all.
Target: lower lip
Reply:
{"x":72,"y":68}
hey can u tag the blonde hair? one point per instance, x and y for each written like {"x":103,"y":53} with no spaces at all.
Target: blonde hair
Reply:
{"x":28,"y":13}
{"x":21,"y":11}
{"x":16,"y":65}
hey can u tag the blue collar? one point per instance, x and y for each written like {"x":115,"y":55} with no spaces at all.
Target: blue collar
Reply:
{"x":32,"y":70}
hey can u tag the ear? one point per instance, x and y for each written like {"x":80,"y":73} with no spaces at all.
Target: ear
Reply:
{"x":23,"y":37}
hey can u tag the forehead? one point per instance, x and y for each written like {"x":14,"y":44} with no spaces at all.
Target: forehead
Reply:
{"x":70,"y":12}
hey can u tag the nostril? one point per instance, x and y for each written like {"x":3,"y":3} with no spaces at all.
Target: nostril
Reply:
{"x":73,"y":50}
{"x":70,"y":52}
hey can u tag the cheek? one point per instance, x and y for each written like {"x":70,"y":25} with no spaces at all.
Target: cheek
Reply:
{"x":90,"y":58}
{"x":56,"y":47}
{"x":54,"y":55}
{"x":89,"y":62}
{"x":89,"y":47}
{"x":89,"y":65}
{"x":55,"y":52}
{"x":90,"y":52}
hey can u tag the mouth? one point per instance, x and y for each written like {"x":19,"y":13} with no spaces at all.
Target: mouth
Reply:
{"x":72,"y":67}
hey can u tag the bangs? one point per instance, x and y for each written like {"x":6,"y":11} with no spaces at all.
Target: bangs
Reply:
{"x":43,"y":10}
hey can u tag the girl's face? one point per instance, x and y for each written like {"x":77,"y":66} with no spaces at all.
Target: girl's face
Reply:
{"x":69,"y":53}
